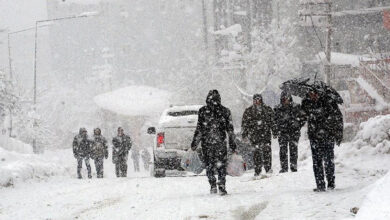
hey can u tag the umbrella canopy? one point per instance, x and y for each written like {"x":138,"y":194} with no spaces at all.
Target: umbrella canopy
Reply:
{"x":296,"y":87}
{"x":301,"y":87}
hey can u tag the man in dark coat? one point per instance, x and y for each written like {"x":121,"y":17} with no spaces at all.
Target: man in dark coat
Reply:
{"x":120,"y":152}
{"x":214,"y":125}
{"x":325,"y":129}
{"x":81,"y":151}
{"x":289,"y":119}
{"x":99,"y":151}
{"x":146,"y":158}
{"x":257,"y":128}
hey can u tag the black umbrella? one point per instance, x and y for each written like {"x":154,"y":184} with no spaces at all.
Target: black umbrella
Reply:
{"x":297,"y":87}
{"x":301,"y":87}
{"x":328,"y":92}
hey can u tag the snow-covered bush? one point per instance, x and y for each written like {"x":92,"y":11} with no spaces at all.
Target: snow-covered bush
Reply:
{"x":375,"y":131}
{"x":16,"y":167}
{"x":12,"y":144}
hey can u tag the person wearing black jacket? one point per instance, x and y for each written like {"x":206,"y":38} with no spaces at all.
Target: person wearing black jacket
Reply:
{"x":325,"y":129}
{"x":120,"y":152}
{"x":289,"y":119}
{"x":257,"y":128}
{"x":81,"y":151}
{"x":99,"y":151}
{"x":214,"y":125}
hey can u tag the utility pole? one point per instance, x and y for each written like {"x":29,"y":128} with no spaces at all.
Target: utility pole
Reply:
{"x":205,"y":32}
{"x":249,"y":24}
{"x":310,"y":12}
{"x":83,"y":15}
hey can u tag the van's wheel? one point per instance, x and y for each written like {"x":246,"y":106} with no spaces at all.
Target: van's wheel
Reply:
{"x":159,"y":173}
{"x":156,"y":171}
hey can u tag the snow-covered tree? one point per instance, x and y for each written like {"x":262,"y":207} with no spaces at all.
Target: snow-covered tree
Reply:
{"x":273,"y":58}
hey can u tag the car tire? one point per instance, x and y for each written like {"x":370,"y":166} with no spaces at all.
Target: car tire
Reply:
{"x":159,"y":173}
{"x":156,"y":170}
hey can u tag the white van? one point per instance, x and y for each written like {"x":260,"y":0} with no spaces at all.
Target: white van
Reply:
{"x":173,"y":137}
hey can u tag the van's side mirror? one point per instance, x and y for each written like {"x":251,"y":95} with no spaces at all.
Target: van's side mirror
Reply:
{"x":151,"y":130}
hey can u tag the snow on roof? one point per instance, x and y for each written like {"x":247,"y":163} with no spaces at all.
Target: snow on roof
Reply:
{"x":83,"y":2}
{"x":313,"y":1}
{"x":134,"y":101}
{"x":184,"y":108}
{"x":372,"y":92}
{"x":362,"y":11}
{"x":343,"y":59}
{"x":233,"y":30}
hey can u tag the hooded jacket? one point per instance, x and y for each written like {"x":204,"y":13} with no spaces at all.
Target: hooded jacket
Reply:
{"x":289,"y":118}
{"x":81,"y":144}
{"x":214,"y":124}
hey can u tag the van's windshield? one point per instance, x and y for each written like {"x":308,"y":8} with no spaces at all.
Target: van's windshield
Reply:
{"x":182,"y":113}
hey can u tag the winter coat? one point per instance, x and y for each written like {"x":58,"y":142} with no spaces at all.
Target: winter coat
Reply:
{"x":146,"y":156}
{"x":99,"y":147}
{"x":81,"y":146}
{"x":325,"y":120}
{"x":289,"y":119}
{"x":214,"y":125}
{"x":258,"y":124}
{"x":121,"y":146}
{"x":135,"y":154}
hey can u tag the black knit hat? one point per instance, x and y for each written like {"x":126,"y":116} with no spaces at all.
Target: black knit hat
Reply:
{"x":257,"y":97}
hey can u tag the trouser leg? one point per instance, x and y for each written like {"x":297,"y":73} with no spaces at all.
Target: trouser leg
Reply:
{"x":88,"y":167}
{"x":124,"y":165}
{"x":118,"y":169}
{"x":293,"y":147}
{"x":99,"y":167}
{"x":209,"y":158}
{"x":329,"y":165}
{"x":79,"y":166}
{"x":283,"y":154}
{"x":210,"y":171}
{"x":318,"y":168}
{"x":267,"y":157}
{"x":221,"y":167}
{"x":136,"y":165}
{"x":257,"y":161}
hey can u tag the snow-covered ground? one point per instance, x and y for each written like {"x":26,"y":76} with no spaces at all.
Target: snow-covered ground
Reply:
{"x":359,"y":166}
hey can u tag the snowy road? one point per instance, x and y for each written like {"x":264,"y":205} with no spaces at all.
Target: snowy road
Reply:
{"x":286,"y":196}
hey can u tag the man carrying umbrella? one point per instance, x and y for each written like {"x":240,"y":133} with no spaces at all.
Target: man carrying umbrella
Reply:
{"x":325,"y":126}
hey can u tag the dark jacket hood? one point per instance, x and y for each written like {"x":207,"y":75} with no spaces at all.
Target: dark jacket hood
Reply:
{"x":213,"y":98}
{"x":82,"y":130}
{"x":285,"y":95}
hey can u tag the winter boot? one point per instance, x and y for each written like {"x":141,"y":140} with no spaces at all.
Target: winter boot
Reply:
{"x":213,"y":190}
{"x":319,"y":190}
{"x":331,"y":186}
{"x":282,"y":171}
{"x":222,"y":190}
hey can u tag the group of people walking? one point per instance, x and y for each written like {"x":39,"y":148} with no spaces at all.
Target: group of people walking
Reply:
{"x":96,"y":148}
{"x":259,"y":124}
